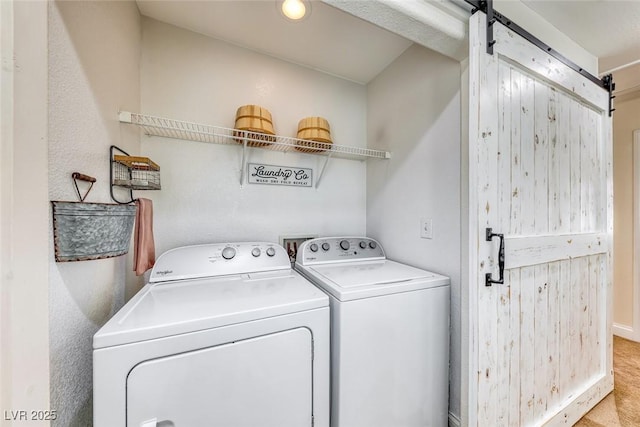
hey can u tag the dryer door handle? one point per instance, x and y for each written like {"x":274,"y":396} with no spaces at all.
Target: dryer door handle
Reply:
{"x":155,"y":423}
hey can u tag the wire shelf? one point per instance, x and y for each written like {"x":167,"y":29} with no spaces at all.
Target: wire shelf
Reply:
{"x":176,"y":129}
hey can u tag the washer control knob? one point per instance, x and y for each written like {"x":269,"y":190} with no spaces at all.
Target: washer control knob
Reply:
{"x":256,"y":252}
{"x":363,"y":245}
{"x":373,"y":245}
{"x":344,"y":245}
{"x":271,"y":251}
{"x":313,"y":247}
{"x":228,"y":252}
{"x":325,"y":246}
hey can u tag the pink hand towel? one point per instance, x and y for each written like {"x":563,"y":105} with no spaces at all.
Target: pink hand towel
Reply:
{"x":144,"y":250}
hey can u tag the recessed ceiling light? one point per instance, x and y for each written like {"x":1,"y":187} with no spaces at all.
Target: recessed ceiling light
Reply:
{"x":294,"y":9}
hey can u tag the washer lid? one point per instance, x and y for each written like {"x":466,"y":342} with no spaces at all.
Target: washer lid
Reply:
{"x":161,"y":310}
{"x":370,"y":273}
{"x":355,"y":280}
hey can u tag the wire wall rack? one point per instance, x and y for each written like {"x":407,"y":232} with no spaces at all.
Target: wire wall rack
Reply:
{"x":136,"y":173}
{"x":177,"y":129}
{"x":131,"y":173}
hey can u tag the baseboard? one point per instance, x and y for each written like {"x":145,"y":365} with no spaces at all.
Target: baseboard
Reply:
{"x":454,"y":421}
{"x":626,"y":332}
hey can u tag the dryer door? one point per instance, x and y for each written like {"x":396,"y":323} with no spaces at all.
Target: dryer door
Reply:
{"x":264,"y":381}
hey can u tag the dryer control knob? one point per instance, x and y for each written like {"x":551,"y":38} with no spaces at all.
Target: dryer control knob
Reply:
{"x":313,"y":247}
{"x":228,"y":252}
{"x":271,"y":251}
{"x":256,"y":252}
{"x":325,"y":246}
{"x":344,"y":245}
{"x":363,"y":245}
{"x":373,"y":245}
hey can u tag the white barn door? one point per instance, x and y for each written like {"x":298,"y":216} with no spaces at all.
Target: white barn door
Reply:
{"x":540,"y":174}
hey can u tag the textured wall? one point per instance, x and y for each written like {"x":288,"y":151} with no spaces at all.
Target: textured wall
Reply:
{"x":94,"y":51}
{"x":626,"y":119}
{"x":24,"y":211}
{"x":196,"y":78}
{"x":414,"y":111}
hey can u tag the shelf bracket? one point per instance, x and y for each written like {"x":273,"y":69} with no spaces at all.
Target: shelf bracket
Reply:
{"x":125,"y":117}
{"x":243,"y":167}
{"x":322,"y":169}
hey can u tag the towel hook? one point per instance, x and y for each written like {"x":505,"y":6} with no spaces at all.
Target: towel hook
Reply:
{"x":77,"y":176}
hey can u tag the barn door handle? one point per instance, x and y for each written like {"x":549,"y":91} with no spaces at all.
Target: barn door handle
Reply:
{"x":488,"y":279}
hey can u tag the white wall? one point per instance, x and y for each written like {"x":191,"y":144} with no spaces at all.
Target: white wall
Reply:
{"x":626,"y":119}
{"x":94,"y":51}
{"x":6,"y":165}
{"x":191,"y":77}
{"x":24,"y":211}
{"x":414,"y":111}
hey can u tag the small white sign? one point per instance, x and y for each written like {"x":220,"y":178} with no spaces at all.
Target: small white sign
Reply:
{"x":279,"y":175}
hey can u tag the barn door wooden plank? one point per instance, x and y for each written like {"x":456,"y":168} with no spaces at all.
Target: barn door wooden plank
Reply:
{"x":553,"y":336}
{"x":564,"y":161}
{"x":541,"y":218}
{"x":565,"y":329}
{"x":527,"y":332}
{"x":514,"y":363}
{"x":515,"y":202}
{"x":488,"y":376}
{"x":531,"y":250}
{"x":508,"y":331}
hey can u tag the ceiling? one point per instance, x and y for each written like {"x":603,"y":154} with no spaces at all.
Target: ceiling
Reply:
{"x":608,"y":29}
{"x":328,"y":39}
{"x":337,"y":43}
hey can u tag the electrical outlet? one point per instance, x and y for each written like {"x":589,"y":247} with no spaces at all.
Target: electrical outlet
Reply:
{"x":426,"y":228}
{"x":292,"y":243}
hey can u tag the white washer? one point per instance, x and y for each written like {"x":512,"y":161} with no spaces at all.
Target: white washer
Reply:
{"x":389,"y":334}
{"x":223,"y":335}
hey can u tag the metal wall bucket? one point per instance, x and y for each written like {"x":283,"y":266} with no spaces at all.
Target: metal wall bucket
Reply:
{"x":86,"y":231}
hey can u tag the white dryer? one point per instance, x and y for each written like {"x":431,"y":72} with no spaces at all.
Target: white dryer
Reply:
{"x":223,"y":335}
{"x":389,"y":334}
